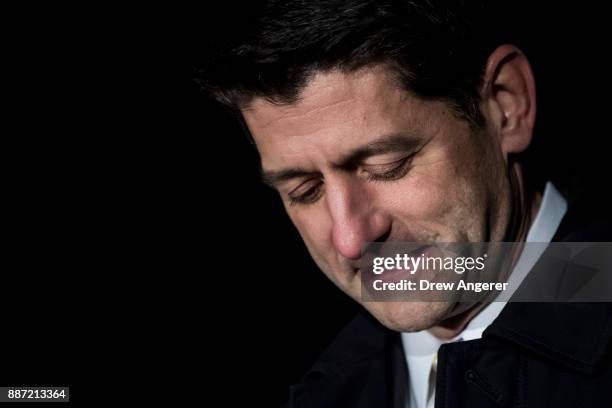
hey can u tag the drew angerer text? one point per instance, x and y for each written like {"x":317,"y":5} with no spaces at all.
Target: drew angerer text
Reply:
{"x":423,"y":284}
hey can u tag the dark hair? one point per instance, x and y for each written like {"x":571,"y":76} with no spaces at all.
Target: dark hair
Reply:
{"x":436,"y":49}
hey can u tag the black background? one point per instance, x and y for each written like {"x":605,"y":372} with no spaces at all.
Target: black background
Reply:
{"x":141,"y":248}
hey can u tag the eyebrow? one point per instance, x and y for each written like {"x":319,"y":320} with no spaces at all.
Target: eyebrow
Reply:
{"x":273,"y":178}
{"x":385,"y":144}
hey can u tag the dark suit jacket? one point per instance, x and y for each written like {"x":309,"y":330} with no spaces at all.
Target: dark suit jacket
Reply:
{"x":532,"y":355}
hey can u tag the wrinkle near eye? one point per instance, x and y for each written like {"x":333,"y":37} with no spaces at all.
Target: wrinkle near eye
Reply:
{"x":305,"y":193}
{"x":303,"y":187}
{"x":383,"y":166}
{"x":383,"y":160}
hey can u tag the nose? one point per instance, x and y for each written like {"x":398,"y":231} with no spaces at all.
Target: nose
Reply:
{"x":355,"y":219}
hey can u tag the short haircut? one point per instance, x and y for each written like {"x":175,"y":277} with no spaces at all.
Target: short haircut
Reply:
{"x":436,"y":50}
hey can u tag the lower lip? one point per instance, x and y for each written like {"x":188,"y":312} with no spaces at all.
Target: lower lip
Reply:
{"x":393,"y":275}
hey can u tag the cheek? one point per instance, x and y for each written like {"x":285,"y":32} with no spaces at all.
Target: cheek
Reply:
{"x":439,"y":195}
{"x":424,"y":192}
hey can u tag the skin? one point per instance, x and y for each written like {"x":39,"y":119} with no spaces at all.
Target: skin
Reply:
{"x":357,"y":159}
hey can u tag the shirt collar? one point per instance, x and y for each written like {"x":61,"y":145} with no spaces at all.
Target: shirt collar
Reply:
{"x":420,"y":347}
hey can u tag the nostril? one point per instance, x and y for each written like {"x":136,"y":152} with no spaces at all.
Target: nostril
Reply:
{"x":384,"y":236}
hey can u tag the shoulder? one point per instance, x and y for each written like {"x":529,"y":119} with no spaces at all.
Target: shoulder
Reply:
{"x":363,"y":366}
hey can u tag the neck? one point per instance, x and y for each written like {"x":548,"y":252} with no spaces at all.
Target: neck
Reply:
{"x":525,"y":204}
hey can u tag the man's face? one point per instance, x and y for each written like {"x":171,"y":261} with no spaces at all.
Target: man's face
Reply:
{"x":357,"y":159}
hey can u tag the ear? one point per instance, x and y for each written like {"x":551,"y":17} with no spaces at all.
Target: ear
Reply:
{"x":509,"y":98}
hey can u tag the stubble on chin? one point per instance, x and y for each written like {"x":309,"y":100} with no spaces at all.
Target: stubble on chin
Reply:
{"x":409,"y":316}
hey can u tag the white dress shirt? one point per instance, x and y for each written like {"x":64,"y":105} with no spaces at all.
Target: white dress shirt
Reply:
{"x":420,"y":348}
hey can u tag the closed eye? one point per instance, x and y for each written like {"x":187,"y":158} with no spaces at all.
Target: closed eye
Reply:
{"x":306,"y":193}
{"x":388,"y":171}
{"x":311,"y":190}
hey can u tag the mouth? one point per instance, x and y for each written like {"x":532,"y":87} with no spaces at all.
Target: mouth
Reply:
{"x":364,"y":269}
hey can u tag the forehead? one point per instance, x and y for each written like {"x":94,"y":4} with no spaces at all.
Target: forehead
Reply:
{"x":339,"y":113}
{"x":330,"y":99}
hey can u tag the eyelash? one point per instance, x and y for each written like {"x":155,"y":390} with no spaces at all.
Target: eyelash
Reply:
{"x":395,"y":173}
{"x":399,"y":171}
{"x":309,"y":197}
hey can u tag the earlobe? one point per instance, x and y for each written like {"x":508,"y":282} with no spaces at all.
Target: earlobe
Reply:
{"x":509,"y":98}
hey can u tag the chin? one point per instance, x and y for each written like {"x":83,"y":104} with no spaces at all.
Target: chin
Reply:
{"x":409,"y":316}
